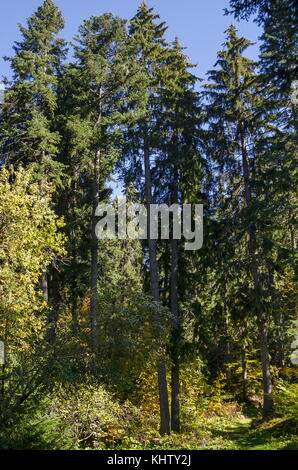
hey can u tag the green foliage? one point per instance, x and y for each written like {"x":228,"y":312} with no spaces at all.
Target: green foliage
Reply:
{"x":37,"y":429}
{"x":27,"y":119}
{"x":133,"y":331}
{"x":253,"y":381}
{"x":286,"y":397}
{"x":30,"y":240}
{"x":93,"y":415}
{"x":128,"y":102}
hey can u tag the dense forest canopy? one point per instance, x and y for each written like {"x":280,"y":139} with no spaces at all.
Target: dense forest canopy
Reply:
{"x":140,"y":343}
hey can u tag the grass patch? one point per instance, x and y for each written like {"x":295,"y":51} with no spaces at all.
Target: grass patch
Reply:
{"x":225,"y":433}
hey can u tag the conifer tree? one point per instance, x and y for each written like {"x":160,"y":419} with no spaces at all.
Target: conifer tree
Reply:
{"x":28,"y":131}
{"x":234,"y":96}
{"x":278,"y":67}
{"x":178,"y":163}
{"x":148,"y":46}
{"x":28,"y":117}
{"x":98,"y":97}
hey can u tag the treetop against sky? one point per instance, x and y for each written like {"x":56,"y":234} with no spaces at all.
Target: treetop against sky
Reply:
{"x":199,"y":24}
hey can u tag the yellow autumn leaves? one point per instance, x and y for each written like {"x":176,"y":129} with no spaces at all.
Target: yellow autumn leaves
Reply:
{"x":30,"y":239}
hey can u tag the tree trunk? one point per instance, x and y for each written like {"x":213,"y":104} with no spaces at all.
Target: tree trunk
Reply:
{"x":54,"y":300}
{"x":265,"y":358}
{"x":44,"y":279}
{"x":244,"y":376}
{"x":226,"y":329}
{"x":154,"y":287}
{"x":262,"y":320}
{"x":94,"y":261}
{"x":44,"y":286}
{"x":74,"y":316}
{"x":277,"y":316}
{"x":176,"y":329}
{"x":278,"y":320}
{"x":175,"y":379}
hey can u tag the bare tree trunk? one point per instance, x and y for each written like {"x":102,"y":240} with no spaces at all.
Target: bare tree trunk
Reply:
{"x":226,"y":328}
{"x":175,"y":379}
{"x":94,"y":261}
{"x":74,"y":315}
{"x":278,"y":320}
{"x":176,"y":329}
{"x":44,"y":286}
{"x":5,"y":341}
{"x":262,"y":320}
{"x":53,"y":297}
{"x":244,"y":376}
{"x":265,"y":358}
{"x":154,"y":286}
{"x":43,"y":282}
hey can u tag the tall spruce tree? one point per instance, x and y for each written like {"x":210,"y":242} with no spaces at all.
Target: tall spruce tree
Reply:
{"x":177,"y":162}
{"x":28,"y":117}
{"x":28,"y":131}
{"x":278,"y":67}
{"x":148,"y":46}
{"x":235,"y":123}
{"x":98,"y":95}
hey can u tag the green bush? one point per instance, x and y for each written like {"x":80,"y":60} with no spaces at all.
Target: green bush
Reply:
{"x":286,"y":401}
{"x":96,"y":419}
{"x":37,"y":428}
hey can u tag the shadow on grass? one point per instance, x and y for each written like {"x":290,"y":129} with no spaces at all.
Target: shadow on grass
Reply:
{"x":276,"y":434}
{"x":252,"y":412}
{"x":290,"y":446}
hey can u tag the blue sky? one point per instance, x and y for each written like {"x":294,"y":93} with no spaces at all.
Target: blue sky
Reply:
{"x":200,"y":24}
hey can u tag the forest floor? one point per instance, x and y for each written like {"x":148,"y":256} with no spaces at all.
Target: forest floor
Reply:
{"x":241,"y":434}
{"x":245,"y":432}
